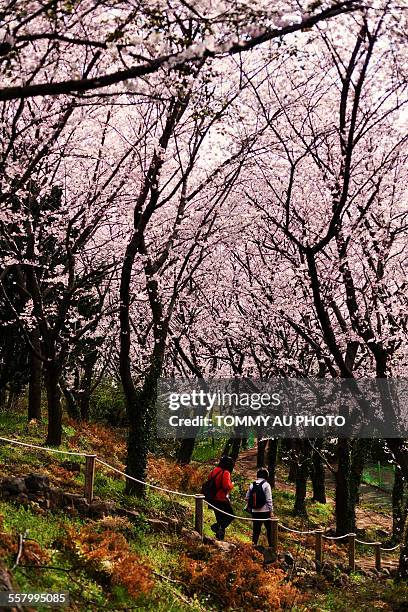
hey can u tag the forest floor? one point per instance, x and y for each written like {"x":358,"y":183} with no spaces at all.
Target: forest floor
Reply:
{"x":375,"y":508}
{"x":115,"y":563}
{"x":374,"y":514}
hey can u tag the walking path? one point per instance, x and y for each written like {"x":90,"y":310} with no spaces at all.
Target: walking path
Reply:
{"x":247,"y":462}
{"x":380,"y":501}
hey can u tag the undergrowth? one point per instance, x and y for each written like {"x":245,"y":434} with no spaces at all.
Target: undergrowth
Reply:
{"x":115,"y":564}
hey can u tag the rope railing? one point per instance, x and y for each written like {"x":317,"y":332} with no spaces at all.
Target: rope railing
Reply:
{"x":44,"y":448}
{"x":235,"y":516}
{"x":90,"y":464}
{"x":296,"y":530}
{"x":142,"y":482}
{"x":341,"y":537}
{"x":391,"y":549}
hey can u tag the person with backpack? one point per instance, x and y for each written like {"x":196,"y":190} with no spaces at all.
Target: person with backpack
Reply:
{"x":260,"y":505}
{"x":216,"y":491}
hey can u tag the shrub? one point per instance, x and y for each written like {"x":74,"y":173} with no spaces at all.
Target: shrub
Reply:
{"x":107,"y":403}
{"x":187,"y":478}
{"x":239,"y":581}
{"x":103,"y":440}
{"x":31,"y":552}
{"x":107,"y":552}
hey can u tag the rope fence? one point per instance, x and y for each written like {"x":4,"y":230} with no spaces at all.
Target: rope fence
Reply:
{"x":391,"y":549}
{"x":295,"y":530}
{"x":142,"y":482}
{"x":346,"y":535}
{"x":90,"y":467}
{"x":234,"y":516}
{"x":43,"y":448}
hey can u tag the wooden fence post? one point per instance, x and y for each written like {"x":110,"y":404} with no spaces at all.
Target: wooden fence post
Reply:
{"x":199,"y":514}
{"x":319,"y":549}
{"x":89,"y":477}
{"x":275,"y":534}
{"x":378,"y":556}
{"x":352,"y":551}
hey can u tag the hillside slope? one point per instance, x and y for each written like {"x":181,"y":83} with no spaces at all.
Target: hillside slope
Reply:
{"x":121,"y":553}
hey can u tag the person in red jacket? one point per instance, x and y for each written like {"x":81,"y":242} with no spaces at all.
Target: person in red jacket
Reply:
{"x":222,"y":478}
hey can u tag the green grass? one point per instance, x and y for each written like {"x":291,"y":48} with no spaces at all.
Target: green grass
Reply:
{"x":206,"y":450}
{"x":163,"y":551}
{"x":86,"y":590}
{"x":57,"y":575}
{"x":211,"y":448}
{"x":362,"y":595}
{"x":379,"y":476}
{"x":45,"y":529}
{"x":15,"y":426}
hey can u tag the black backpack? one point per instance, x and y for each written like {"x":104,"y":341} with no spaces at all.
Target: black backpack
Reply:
{"x":209,"y":488}
{"x":257,"y":497}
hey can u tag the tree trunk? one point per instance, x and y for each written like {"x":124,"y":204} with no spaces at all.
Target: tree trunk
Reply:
{"x":318,"y":474}
{"x":11,"y":400}
{"x":344,"y":522}
{"x":300,"y":494}
{"x":84,"y":404}
{"x":228,"y":446}
{"x":34,"y":385}
{"x":359,"y":453}
{"x":403,"y":560}
{"x":86,"y":384}
{"x":142,"y":414}
{"x":399,"y":508}
{"x":71,"y":403}
{"x":271,"y":460}
{"x":137,"y":455}
{"x":185,"y":451}
{"x":186,"y":448}
{"x":260,"y":455}
{"x":293,"y":468}
{"x":293,"y":463}
{"x":141,"y":406}
{"x":397,"y":447}
{"x":302,"y":474}
{"x":236,"y":445}
{"x":231,"y":448}
{"x":52,"y":375}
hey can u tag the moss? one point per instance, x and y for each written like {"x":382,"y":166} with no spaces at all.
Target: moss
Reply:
{"x":363,"y":595}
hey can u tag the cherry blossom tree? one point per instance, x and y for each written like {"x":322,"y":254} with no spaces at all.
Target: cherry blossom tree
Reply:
{"x":131,"y":40}
{"x":53,"y":237}
{"x":207,"y":189}
{"x":357,"y":306}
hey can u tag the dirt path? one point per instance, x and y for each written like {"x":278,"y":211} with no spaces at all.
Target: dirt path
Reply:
{"x":366,"y":517}
{"x":379,"y":501}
